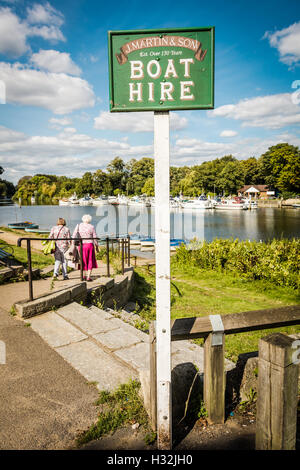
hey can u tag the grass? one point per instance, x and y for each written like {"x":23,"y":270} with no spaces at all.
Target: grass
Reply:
{"x":39,"y":260}
{"x":118,"y":408}
{"x":198,"y":292}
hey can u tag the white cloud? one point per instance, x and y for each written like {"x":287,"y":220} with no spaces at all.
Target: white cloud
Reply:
{"x":228,"y":133}
{"x":72,"y":154}
{"x":44,"y":14}
{"x":49,"y":33}
{"x":273,"y":111}
{"x":55,"y":61}
{"x":60,"y":93}
{"x":60,"y":122}
{"x":194,"y":151}
{"x":12,"y":34}
{"x":43,"y":21}
{"x":68,"y":153}
{"x":134,"y":122}
{"x":287,"y":42}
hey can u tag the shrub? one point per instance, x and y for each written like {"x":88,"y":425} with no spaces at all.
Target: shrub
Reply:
{"x":277,"y":261}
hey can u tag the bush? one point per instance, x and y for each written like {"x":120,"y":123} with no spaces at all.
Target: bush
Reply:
{"x":277,"y":261}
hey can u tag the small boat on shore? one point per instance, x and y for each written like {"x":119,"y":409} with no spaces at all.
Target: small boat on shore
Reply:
{"x":22,"y":225}
{"x":37,"y":230}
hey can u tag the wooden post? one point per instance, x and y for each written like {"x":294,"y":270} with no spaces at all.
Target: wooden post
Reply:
{"x":276,"y":415}
{"x":214,"y":380}
{"x":153,"y":378}
{"x":162,"y":257}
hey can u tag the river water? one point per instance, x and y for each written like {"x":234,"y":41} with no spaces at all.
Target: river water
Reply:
{"x":260,"y":224}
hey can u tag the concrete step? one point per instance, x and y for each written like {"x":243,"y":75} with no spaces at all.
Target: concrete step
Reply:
{"x":105,"y":349}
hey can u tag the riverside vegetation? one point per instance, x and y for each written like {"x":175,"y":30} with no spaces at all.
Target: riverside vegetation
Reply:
{"x":278,"y":167}
{"x":224,"y":277}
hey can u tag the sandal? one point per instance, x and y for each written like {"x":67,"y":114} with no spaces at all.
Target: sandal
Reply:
{"x":89,"y":279}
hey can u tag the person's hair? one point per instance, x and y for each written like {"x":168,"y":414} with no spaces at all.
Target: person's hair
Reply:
{"x":86,"y":219}
{"x":61,"y":221}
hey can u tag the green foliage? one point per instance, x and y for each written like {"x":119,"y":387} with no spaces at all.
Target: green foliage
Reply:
{"x":277,"y":261}
{"x":123,"y":406}
{"x":202,"y":413}
{"x":279,"y":168}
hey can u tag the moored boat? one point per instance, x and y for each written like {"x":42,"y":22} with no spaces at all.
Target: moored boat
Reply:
{"x":86,"y":201}
{"x":231,"y":204}
{"x":22,"y":225}
{"x":37,"y":230}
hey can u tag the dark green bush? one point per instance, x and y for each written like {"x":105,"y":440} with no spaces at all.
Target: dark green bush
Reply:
{"x":277,"y":261}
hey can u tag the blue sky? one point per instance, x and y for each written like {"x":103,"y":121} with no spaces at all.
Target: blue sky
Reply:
{"x":54,"y":116}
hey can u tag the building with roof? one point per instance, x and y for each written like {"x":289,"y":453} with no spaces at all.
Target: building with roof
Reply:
{"x":256,"y":191}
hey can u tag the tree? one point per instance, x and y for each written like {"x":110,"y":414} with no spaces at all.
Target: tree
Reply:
{"x":101,"y":182}
{"x":281,"y":167}
{"x":148,"y":187}
{"x":117,"y":174}
{"x":85,"y":185}
{"x":7,"y":189}
{"x":252,"y":171}
{"x":138,"y":172}
{"x":231,"y":177}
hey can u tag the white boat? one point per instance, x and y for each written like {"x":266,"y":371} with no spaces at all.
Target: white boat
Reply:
{"x":122,"y":200}
{"x":251,"y":205}
{"x":74,"y":199}
{"x":231,"y":204}
{"x":297,"y":206}
{"x":100,"y":201}
{"x":64,"y":202}
{"x":135,"y":201}
{"x":113,"y":200}
{"x":200,"y":203}
{"x":86,"y":201}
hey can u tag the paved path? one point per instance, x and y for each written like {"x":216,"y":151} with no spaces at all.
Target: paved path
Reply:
{"x":44,"y":401}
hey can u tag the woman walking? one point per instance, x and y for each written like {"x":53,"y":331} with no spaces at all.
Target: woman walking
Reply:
{"x":60,"y":231}
{"x":87,"y":230}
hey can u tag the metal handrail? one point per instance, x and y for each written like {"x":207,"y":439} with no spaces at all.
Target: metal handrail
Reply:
{"x":125,"y":252}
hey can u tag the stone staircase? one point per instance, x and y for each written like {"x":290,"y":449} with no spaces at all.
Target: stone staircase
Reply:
{"x":108,"y":351}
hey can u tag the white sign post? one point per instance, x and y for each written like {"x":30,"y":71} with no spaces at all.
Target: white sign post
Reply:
{"x":162,"y":261}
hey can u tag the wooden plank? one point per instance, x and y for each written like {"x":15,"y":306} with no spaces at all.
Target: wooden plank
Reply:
{"x":261,"y":319}
{"x":200,"y":327}
{"x":153,"y":377}
{"x":214,"y":381}
{"x":276,"y":417}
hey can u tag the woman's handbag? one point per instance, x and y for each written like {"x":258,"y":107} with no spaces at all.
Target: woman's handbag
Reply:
{"x":49,"y":247}
{"x":77,"y":236}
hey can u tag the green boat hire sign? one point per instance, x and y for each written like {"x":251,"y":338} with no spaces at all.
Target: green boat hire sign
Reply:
{"x":161,"y":70}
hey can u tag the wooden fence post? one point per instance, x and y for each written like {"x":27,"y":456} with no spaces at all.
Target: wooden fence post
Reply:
{"x":214,"y":376}
{"x":153,"y":378}
{"x":276,"y":422}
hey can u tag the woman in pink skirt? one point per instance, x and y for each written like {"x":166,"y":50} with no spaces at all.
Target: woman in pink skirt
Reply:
{"x":87,"y":230}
